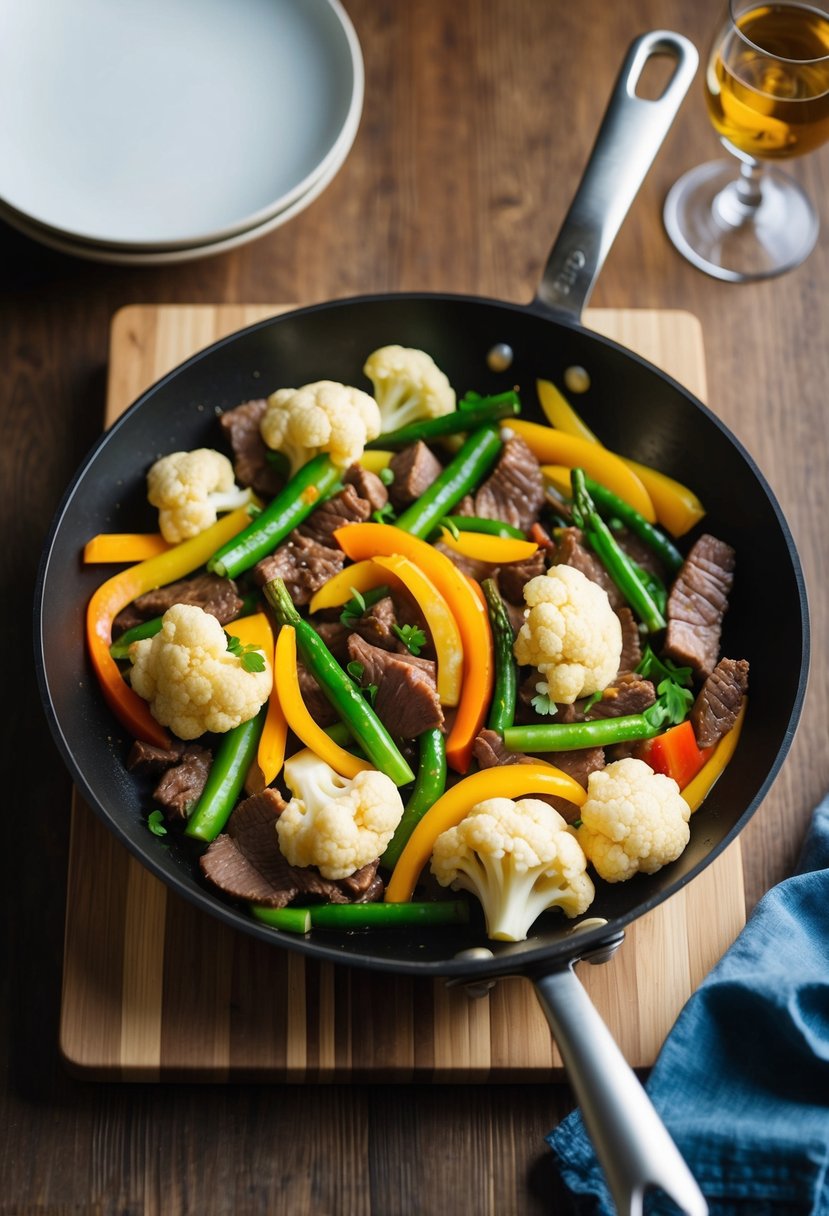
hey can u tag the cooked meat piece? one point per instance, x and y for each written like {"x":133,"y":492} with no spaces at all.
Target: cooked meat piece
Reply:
{"x":571,"y":551}
{"x":304,"y":564}
{"x":180,"y":788}
{"x":407,"y":700}
{"x":368,"y":486}
{"x":490,"y":752}
{"x":251,"y":466}
{"x":145,"y":758}
{"x":640,"y":552}
{"x":316,"y":702}
{"x":215,"y":595}
{"x":697,"y":604}
{"x":335,"y":635}
{"x":513,"y":576}
{"x":631,"y":640}
{"x":514,"y":492}
{"x":466,"y":506}
{"x":345,"y":507}
{"x":467,"y":565}
{"x":718,"y":703}
{"x":414,"y":469}
{"x":246,"y":862}
{"x":376,"y":626}
{"x":515,"y":614}
{"x":628,"y":694}
{"x":373,"y":893}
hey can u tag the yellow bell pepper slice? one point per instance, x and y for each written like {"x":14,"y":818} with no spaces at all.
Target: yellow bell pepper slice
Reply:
{"x":297,"y":715}
{"x":556,"y":447}
{"x":560,"y":412}
{"x":442,"y":626}
{"x":481,"y":547}
{"x":131,"y":711}
{"x":361,"y":576}
{"x":124,"y":547}
{"x":700,"y":786}
{"x":375,"y":460}
{"x":360,"y":541}
{"x":510,"y":781}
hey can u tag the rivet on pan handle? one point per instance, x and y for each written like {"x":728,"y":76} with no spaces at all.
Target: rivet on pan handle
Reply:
{"x":631,"y":134}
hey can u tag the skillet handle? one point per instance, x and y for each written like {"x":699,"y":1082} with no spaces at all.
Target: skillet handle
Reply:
{"x":631,"y":1142}
{"x":631,"y":134}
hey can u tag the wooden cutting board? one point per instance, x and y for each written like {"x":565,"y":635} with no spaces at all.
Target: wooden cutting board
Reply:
{"x":155,"y":990}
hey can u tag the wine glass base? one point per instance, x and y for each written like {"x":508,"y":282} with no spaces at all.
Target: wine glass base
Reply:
{"x":719,"y":234}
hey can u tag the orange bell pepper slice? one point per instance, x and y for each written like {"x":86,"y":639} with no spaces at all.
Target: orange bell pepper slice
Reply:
{"x":675,"y":753}
{"x":359,"y":541}
{"x":131,"y":710}
{"x":255,"y":630}
{"x":124,"y":547}
{"x":481,"y":547}
{"x":510,"y":781}
{"x":700,"y":786}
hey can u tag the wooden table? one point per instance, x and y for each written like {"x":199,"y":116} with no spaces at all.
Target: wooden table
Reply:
{"x":477,"y":122}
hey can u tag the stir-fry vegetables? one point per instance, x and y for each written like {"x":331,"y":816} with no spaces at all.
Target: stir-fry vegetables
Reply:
{"x":432,"y":630}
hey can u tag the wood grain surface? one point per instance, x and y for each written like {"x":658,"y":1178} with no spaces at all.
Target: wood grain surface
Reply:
{"x":151,"y":1016}
{"x":477,"y":123}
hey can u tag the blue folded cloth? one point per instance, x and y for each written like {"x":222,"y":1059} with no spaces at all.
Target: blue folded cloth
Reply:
{"x":742,"y":1081}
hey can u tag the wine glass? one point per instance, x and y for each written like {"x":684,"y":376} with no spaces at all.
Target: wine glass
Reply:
{"x":767,"y":88}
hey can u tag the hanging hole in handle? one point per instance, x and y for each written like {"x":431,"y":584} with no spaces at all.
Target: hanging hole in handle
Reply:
{"x":656,"y":74}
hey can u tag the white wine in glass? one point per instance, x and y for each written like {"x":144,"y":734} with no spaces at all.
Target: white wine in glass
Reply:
{"x":767,"y":89}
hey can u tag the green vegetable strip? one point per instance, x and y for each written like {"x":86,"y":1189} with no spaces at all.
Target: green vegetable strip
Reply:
{"x":460,"y":476}
{"x":148,"y":629}
{"x":472,"y":523}
{"x":226,"y":778}
{"x":292,"y":505}
{"x":617,"y":563}
{"x":505,"y":691}
{"x":430,"y":784}
{"x":486,"y":409}
{"x":363,"y":916}
{"x":610,"y":504}
{"x":569,"y":736}
{"x":352,"y":707}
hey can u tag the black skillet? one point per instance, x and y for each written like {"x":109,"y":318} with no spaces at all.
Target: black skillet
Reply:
{"x":637,"y":410}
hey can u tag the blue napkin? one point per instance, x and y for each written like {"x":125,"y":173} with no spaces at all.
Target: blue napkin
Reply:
{"x":742,"y":1081}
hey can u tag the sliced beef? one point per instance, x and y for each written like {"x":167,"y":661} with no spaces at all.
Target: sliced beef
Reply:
{"x":303,"y":563}
{"x":718,"y":703}
{"x":246,"y":862}
{"x":407,"y":700}
{"x":215,"y":595}
{"x":251,"y":465}
{"x":468,"y":566}
{"x":345,"y":507}
{"x":515,"y":490}
{"x":631,"y":655}
{"x":335,"y":635}
{"x":515,"y":612}
{"x":697,"y":604}
{"x":513,"y":577}
{"x":180,"y":788}
{"x":628,"y":694}
{"x":571,"y":551}
{"x":376,"y":626}
{"x":316,"y":702}
{"x":145,"y":758}
{"x":368,"y":486}
{"x":414,"y":469}
{"x":490,"y":752}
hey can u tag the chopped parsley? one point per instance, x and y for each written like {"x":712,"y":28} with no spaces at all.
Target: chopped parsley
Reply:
{"x":155,"y":822}
{"x":250,"y":656}
{"x":413,"y":639}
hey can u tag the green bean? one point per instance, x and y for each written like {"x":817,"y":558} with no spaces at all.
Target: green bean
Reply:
{"x":226,"y":777}
{"x":505,"y":691}
{"x":120,"y":649}
{"x":610,"y":504}
{"x":485,"y":410}
{"x":363,"y":916}
{"x":457,"y":479}
{"x":294,"y":503}
{"x":428,"y":787}
{"x":570,"y":736}
{"x":352,"y":707}
{"x":473,"y":523}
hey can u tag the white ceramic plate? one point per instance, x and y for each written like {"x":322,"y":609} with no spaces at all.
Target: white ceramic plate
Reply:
{"x":166,"y":124}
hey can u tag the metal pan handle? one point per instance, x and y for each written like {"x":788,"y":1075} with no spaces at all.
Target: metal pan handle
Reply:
{"x":631,"y":134}
{"x":632,"y":1144}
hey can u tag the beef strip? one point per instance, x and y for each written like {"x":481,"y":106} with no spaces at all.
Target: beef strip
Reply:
{"x":571,"y":551}
{"x":697,"y":604}
{"x":628,"y":694}
{"x":335,"y":635}
{"x":344,"y":507}
{"x":513,"y":577}
{"x":468,"y":566}
{"x":368,"y":486}
{"x":304,"y":564}
{"x":718,"y":703}
{"x":631,"y":655}
{"x":514,"y":492}
{"x":180,"y":788}
{"x":251,"y":466}
{"x":215,"y":595}
{"x":145,"y":758}
{"x":414,"y":469}
{"x":316,"y":702}
{"x":516,"y":616}
{"x":490,"y":752}
{"x":376,"y":625}
{"x":407,"y":701}
{"x":246,"y":863}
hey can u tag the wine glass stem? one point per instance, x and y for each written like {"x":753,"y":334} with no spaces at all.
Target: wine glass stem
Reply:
{"x":749,"y":190}
{"x":736,"y":205}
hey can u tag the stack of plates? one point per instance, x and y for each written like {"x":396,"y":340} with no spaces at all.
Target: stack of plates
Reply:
{"x":168,"y":130}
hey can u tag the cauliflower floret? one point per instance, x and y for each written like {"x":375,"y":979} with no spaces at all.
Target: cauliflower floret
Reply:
{"x":189,"y":488}
{"x":634,"y":819}
{"x":335,"y":823}
{"x":321,"y":417}
{"x":191,"y":680}
{"x":408,"y":385}
{"x":571,"y":634}
{"x":518,"y":858}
